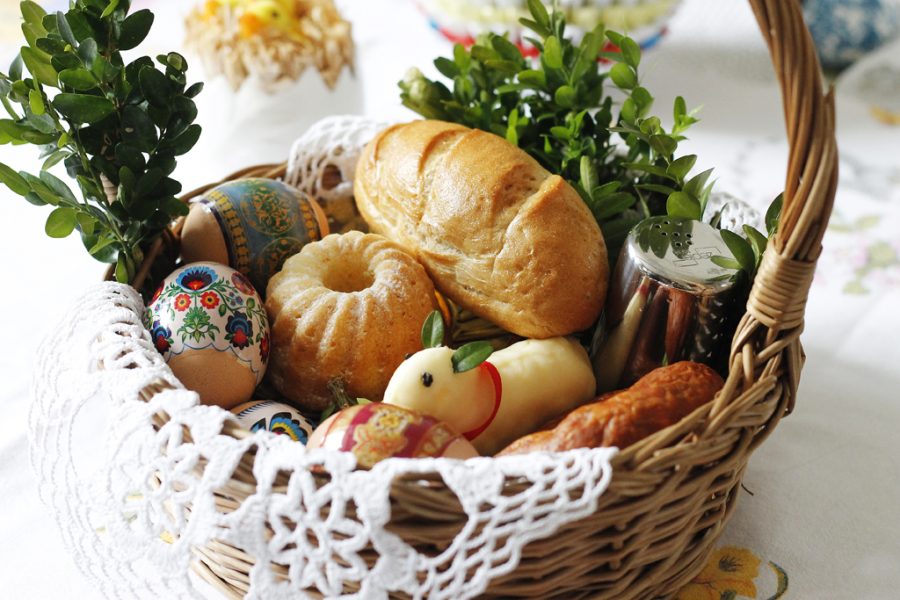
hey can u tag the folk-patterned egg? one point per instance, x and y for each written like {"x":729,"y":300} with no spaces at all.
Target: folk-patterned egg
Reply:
{"x":252,"y":225}
{"x":266,"y":415}
{"x":377,"y":431}
{"x":210,"y":325}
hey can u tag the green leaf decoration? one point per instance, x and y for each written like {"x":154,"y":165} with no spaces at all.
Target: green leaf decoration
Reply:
{"x":194,"y":90}
{"x":540,"y":14}
{"x":85,"y":222}
{"x":54,"y":158}
{"x":78,"y":79}
{"x":57,"y":186}
{"x":135,"y":28}
{"x":553,"y":57}
{"x":122,"y":269}
{"x":758,"y":242}
{"x":588,"y":173}
{"x":433,"y":330}
{"x":533,"y":78}
{"x":32,"y":13}
{"x":663,"y":145}
{"x":154,"y":86}
{"x":725,"y":262}
{"x":680,"y":204}
{"x":62,"y":25}
{"x":680,"y":109}
{"x":140,"y":132}
{"x":773,"y":214}
{"x":15,"y":68}
{"x":36,"y":102}
{"x":682,"y":166}
{"x":656,"y":187}
{"x":623,"y":76}
{"x":447,"y":67}
{"x":184,"y":142}
{"x":83,"y":108}
{"x":100,"y":245}
{"x":631,"y":52}
{"x":39,"y":66}
{"x":741,"y":250}
{"x":470,"y":356}
{"x":15,"y":182}
{"x":614,"y":205}
{"x":110,"y":8}
{"x":61,"y":222}
{"x":87,"y":51}
{"x":565,"y":96}
{"x":41,"y":189}
{"x":697,"y":183}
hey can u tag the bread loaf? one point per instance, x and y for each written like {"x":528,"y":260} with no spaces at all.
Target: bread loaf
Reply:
{"x":497,"y":233}
{"x":659,"y":399}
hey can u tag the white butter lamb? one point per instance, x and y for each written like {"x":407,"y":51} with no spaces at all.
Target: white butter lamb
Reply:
{"x":493,"y":402}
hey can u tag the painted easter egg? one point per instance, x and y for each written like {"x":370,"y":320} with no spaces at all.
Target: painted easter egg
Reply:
{"x":281,"y":419}
{"x":373,"y":432}
{"x":210,"y":325}
{"x":252,"y":225}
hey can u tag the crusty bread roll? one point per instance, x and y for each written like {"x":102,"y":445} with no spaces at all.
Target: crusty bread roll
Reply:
{"x":497,"y":233}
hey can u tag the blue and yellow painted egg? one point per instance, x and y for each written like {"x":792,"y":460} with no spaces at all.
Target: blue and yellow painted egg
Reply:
{"x":210,"y":325}
{"x":252,"y":225}
{"x":281,"y":419}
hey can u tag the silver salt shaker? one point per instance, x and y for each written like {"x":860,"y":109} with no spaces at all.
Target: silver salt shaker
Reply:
{"x":668,"y":301}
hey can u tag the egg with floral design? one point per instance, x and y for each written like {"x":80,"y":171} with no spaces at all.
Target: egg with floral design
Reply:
{"x":376,"y":431}
{"x":210,"y":325}
{"x":252,"y":225}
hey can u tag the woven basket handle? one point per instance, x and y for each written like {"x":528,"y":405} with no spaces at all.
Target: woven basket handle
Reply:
{"x":767,"y":339}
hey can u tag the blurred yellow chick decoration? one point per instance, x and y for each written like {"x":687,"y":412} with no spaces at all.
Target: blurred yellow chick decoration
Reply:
{"x":276,"y":40}
{"x":261,"y":14}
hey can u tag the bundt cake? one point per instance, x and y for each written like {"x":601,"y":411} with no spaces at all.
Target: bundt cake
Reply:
{"x":350,"y":308}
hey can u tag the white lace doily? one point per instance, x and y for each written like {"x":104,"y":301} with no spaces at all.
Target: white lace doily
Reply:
{"x":132,"y":501}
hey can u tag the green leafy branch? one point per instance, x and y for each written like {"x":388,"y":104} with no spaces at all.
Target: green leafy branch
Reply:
{"x":624,"y":166}
{"x":117,"y":128}
{"x":748,"y":249}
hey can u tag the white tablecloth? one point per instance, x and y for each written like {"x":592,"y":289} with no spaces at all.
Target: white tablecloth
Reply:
{"x":821,"y":509}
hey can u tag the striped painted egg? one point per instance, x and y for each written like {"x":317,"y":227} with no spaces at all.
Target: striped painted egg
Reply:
{"x":374,"y":432}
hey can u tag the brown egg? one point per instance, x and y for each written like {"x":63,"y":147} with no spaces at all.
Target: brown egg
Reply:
{"x":374,"y":432}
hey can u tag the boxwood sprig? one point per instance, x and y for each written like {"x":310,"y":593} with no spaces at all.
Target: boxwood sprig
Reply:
{"x":115,"y":126}
{"x":619,"y":157}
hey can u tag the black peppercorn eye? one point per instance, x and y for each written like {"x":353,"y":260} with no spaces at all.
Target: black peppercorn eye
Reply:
{"x":407,"y":356}
{"x":427,"y":379}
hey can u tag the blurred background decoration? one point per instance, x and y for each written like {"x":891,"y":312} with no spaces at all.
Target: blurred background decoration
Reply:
{"x":274,"y":40}
{"x":461,"y":21}
{"x":846,"y":30}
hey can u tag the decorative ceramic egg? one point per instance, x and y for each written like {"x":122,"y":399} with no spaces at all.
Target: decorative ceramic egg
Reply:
{"x":210,"y":325}
{"x":252,"y":225}
{"x":377,"y":431}
{"x":266,"y":415}
{"x":845,"y":30}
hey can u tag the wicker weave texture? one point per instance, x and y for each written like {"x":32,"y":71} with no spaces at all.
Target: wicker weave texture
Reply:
{"x":672,"y":493}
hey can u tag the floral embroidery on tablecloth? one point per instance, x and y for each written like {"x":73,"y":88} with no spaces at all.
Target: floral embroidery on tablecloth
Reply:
{"x":860,"y":256}
{"x":733,"y":572}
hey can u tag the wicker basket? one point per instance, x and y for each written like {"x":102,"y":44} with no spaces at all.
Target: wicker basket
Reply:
{"x":672,"y":493}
